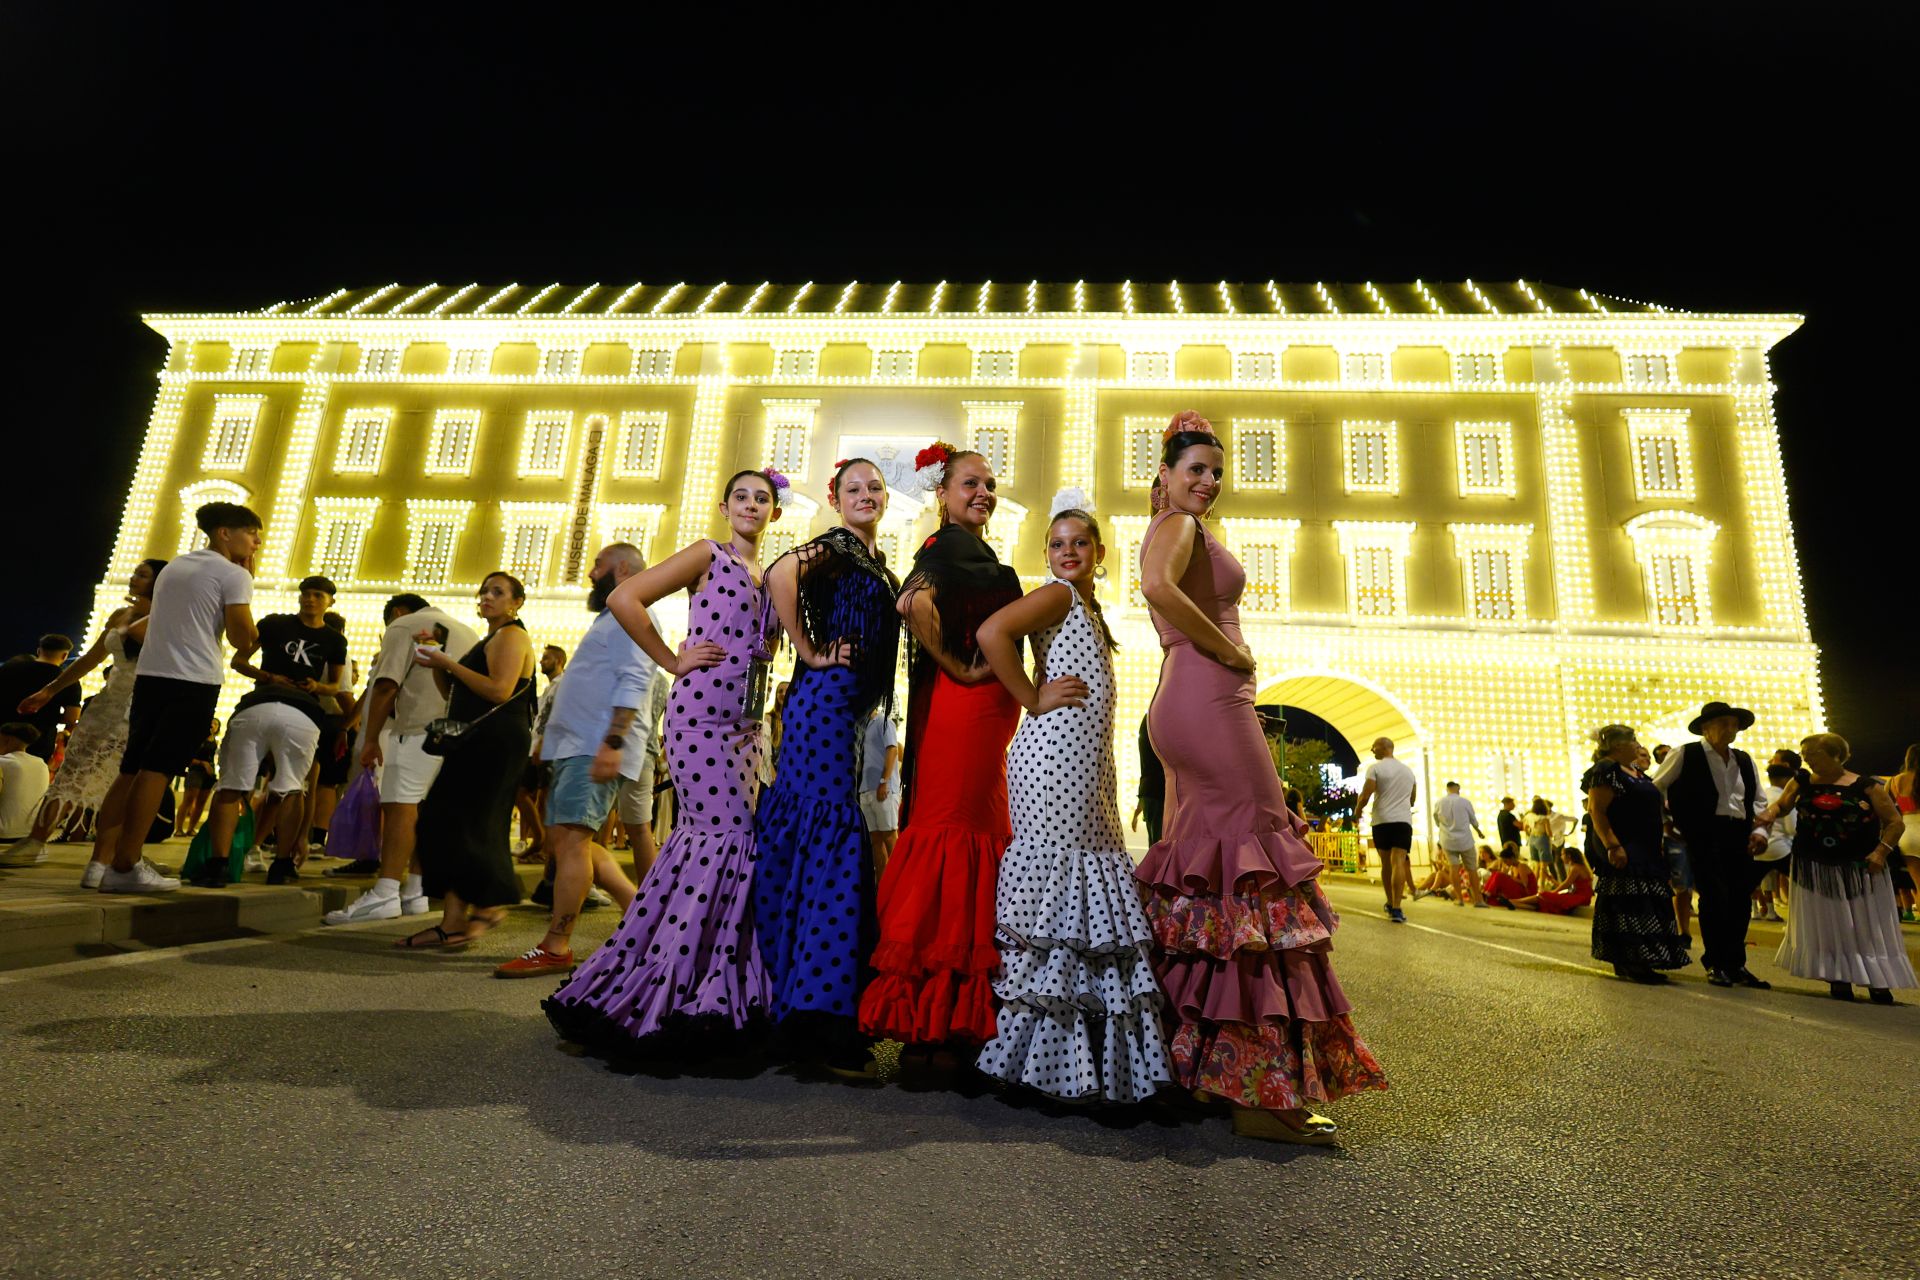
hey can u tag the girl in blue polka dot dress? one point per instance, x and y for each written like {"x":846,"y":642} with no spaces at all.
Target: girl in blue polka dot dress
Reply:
{"x":813,"y":890}
{"x":1079,"y":1014}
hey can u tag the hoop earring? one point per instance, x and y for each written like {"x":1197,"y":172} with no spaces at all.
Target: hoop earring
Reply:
{"x":1100,"y":571}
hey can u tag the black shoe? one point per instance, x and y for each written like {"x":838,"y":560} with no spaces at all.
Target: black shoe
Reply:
{"x":1719,"y":977}
{"x":1746,"y":978}
{"x":1840,"y":990}
{"x":282,"y":872}
{"x":358,"y":867}
{"x":542,"y":895}
{"x":1880,"y":995}
{"x":212,"y":874}
{"x":1396,"y":915}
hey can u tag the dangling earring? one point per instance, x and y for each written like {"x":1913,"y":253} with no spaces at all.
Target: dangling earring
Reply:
{"x":1100,"y":571}
{"x":1157,"y":498}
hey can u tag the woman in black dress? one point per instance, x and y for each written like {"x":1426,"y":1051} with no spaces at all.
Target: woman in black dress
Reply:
{"x":464,"y":854}
{"x":1633,"y":928}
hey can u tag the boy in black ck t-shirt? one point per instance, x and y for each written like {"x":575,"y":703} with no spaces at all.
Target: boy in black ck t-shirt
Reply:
{"x":301,"y":660}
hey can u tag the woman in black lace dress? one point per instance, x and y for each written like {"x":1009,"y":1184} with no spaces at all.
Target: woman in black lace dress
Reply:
{"x":1633,"y":925}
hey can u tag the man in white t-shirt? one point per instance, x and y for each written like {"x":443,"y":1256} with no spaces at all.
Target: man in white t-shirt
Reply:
{"x":1391,"y":786}
{"x":402,"y":700}
{"x":23,"y":780}
{"x":202,"y":597}
{"x":1456,"y":824}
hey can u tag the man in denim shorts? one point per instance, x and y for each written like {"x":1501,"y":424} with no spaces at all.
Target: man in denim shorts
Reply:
{"x":594,"y":738}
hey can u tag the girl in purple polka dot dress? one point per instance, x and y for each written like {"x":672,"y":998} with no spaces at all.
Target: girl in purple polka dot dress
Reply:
{"x":1079,"y":1015}
{"x":813,"y":889}
{"x":684,"y":961}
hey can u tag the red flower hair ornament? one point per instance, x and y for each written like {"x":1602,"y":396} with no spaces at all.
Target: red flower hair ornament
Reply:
{"x":930,"y":464}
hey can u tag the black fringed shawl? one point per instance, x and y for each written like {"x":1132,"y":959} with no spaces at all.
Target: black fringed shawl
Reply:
{"x":845,"y":593}
{"x":970,"y":585}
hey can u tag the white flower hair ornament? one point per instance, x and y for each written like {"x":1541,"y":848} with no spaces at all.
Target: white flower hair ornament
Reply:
{"x":1073,"y":498}
{"x":782,"y":488}
{"x":930,"y":465}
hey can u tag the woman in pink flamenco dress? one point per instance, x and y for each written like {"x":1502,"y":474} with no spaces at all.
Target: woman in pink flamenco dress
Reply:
{"x":1242,"y":930}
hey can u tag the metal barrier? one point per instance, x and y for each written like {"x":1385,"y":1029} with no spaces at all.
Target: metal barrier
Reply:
{"x":1340,"y":850}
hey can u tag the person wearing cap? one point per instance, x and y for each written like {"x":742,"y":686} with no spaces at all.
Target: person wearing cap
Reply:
{"x":1713,"y":791}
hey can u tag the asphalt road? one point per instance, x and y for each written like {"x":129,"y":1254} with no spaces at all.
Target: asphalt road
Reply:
{"x":321,"y":1105}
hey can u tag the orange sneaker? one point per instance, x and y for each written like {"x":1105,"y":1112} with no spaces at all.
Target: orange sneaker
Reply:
{"x":537,"y":963}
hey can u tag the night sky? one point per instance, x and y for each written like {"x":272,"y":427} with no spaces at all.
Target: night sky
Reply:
{"x":1708,"y":157}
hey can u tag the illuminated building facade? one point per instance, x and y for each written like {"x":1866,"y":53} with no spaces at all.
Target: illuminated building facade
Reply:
{"x":1479,"y":518}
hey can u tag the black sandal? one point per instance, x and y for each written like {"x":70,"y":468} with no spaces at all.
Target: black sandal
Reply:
{"x":441,"y":940}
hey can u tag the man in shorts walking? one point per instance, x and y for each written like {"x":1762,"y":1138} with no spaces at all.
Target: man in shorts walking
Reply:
{"x":594,"y":738}
{"x":1391,"y":787}
{"x":1457,"y":825}
{"x":203,"y":596}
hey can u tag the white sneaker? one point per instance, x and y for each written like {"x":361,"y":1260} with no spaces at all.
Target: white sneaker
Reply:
{"x":597,"y":897}
{"x":255,"y":862}
{"x":144,"y":878}
{"x":90,"y":878}
{"x":23,"y":853}
{"x":368,"y":906}
{"x":415,"y":906}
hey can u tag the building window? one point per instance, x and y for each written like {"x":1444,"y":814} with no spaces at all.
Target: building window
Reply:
{"x":1143,"y":452}
{"x":990,"y":432}
{"x":560,"y":362}
{"x":893,"y":364}
{"x":543,"y":447}
{"x":1477,"y":366}
{"x":471,"y":362}
{"x":450,"y":444}
{"x":1674,"y":549}
{"x":1653,"y":369}
{"x":340,"y":532}
{"x":1150,"y":366}
{"x":197,"y":495}
{"x":251,"y":362}
{"x":653,"y":362}
{"x":793,"y":365}
{"x":1373,"y":457}
{"x":380,"y":362}
{"x":789,"y":429}
{"x":1508,"y":775}
{"x":1366,"y":366}
{"x":993,"y":364}
{"x":1493,"y":559}
{"x":528,"y":531}
{"x":230,"y":437}
{"x":433,"y":533}
{"x":1662,"y":458}
{"x":1259,"y":453}
{"x":1123,"y":558}
{"x":635,"y":523}
{"x":1376,"y":557}
{"x":1265,"y":551}
{"x":795,"y":527}
{"x":1483,"y":456}
{"x":363,"y":436}
{"x":1003,"y":531}
{"x":1256,"y":366}
{"x":642,"y":441}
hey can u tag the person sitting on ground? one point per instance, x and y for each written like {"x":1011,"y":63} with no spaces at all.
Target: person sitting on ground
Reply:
{"x":1509,"y":878}
{"x":23,"y":779}
{"x":1575,"y":889}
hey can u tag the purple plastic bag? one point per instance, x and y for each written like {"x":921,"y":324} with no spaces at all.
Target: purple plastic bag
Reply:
{"x":354,"y":832}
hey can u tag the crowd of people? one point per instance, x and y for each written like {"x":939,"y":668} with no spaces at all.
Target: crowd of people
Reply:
{"x":1663,"y":825}
{"x":964,"y":889}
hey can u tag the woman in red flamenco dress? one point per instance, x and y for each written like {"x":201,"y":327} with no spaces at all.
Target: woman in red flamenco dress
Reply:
{"x":933,"y":983}
{"x":1242,"y":930}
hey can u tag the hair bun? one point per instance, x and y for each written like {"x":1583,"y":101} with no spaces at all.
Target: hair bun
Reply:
{"x":1187,"y":420}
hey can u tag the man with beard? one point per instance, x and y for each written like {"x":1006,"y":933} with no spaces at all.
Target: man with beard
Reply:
{"x":590,"y":749}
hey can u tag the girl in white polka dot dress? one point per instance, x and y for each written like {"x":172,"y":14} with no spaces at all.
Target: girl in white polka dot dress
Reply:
{"x":1080,"y":1007}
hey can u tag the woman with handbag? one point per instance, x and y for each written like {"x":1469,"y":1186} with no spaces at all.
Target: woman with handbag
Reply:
{"x":464,"y":855}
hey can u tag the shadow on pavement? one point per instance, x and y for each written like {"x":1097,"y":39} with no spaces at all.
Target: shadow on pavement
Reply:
{"x":412,"y":1060}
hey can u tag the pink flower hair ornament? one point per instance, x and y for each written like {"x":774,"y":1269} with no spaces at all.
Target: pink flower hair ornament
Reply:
{"x":1187,"y":420}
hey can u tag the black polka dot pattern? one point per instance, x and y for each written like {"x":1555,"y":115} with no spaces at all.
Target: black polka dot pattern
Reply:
{"x":1080,"y":1015}
{"x":686,"y":947}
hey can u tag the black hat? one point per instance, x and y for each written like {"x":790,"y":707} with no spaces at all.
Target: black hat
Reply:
{"x":1714,"y":710}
